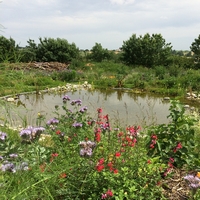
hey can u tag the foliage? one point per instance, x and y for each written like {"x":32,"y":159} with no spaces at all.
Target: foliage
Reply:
{"x":195,"y":48}
{"x":78,"y":157}
{"x":9,"y":51}
{"x":148,"y":50}
{"x":98,"y":53}
{"x":174,"y":142}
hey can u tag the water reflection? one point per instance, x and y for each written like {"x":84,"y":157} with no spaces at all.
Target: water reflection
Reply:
{"x":124,"y":108}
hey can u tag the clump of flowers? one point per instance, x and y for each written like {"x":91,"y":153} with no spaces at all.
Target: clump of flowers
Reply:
{"x":100,"y":165}
{"x":193,"y":181}
{"x":76,"y":102}
{"x":178,"y":146}
{"x":66,"y":98}
{"x":3,"y":136}
{"x":153,"y":141}
{"x":77,"y":124}
{"x":87,"y":148}
{"x":106,"y":195}
{"x":31,"y":133}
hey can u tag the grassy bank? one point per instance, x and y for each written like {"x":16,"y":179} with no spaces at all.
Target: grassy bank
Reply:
{"x":171,"y":81}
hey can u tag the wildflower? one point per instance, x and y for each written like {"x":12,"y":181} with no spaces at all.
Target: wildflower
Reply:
{"x":117,"y":154}
{"x":99,"y":168}
{"x":84,"y":109}
{"x":66,"y":98}
{"x":3,"y":136}
{"x":149,"y":161}
{"x":76,"y":102}
{"x":77,"y":124}
{"x":31,"y":133}
{"x":154,"y":137}
{"x":106,"y":195}
{"x":54,"y":155}
{"x":58,"y":132}
{"x":100,"y":165}
{"x":115,"y":171}
{"x":87,"y":147}
{"x":194,"y":181}
{"x":63,"y":175}
{"x":52,"y":121}
{"x":99,"y":110}
{"x":198,"y":174}
{"x":8,"y":166}
{"x":13,"y":155}
{"x":178,"y":146}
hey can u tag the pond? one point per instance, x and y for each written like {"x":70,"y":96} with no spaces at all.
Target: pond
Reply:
{"x":123,"y":108}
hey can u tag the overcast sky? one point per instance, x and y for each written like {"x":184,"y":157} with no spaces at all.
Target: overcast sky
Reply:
{"x":109,"y":22}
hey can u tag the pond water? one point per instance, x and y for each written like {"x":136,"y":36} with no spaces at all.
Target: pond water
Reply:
{"x":123,"y":108}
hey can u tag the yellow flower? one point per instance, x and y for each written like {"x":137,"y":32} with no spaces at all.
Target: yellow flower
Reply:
{"x":198,"y":174}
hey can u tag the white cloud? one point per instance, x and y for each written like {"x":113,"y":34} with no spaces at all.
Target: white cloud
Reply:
{"x":122,"y":2}
{"x":109,"y":22}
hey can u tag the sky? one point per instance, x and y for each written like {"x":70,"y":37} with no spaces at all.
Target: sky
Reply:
{"x":108,"y":22}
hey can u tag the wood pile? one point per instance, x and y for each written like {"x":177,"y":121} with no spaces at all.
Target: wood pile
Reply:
{"x":45,"y":66}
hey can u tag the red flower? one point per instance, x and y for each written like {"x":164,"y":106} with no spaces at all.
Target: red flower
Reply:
{"x":101,"y":161}
{"x":54,"y":155}
{"x":149,"y":161}
{"x":98,"y":137}
{"x":63,"y":175}
{"x":117,"y":154}
{"x":109,"y":193}
{"x":99,"y":167}
{"x":115,"y":171}
{"x":154,"y":137}
{"x":99,"y":110}
{"x":58,"y":132}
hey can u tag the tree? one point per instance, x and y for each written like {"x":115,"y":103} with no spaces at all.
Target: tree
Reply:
{"x":148,"y":50}
{"x":195,"y":48}
{"x":30,"y":51}
{"x":99,"y":53}
{"x":9,"y":51}
{"x":59,"y":50}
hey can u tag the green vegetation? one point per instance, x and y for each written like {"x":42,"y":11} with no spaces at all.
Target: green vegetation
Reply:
{"x":78,"y":157}
{"x":145,"y":64}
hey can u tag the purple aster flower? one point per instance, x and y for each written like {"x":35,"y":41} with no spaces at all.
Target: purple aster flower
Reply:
{"x":53,"y":121}
{"x":31,"y":132}
{"x":13,"y":155}
{"x":76,"y":102}
{"x":3,"y":136}
{"x":8,"y":166}
{"x":194,"y":181}
{"x":82,"y":110}
{"x":77,"y":124}
{"x":66,"y":98}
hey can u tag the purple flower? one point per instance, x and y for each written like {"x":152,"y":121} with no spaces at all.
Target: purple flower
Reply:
{"x":77,"y":124}
{"x":8,"y":166}
{"x":3,"y":136}
{"x":74,"y":102}
{"x":53,"y":121}
{"x":13,"y":155}
{"x":82,"y":110}
{"x":66,"y":98}
{"x":31,"y":132}
{"x":194,"y":181}
{"x":87,"y":148}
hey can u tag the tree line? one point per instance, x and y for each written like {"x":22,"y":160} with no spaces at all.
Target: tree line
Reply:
{"x":148,"y":50}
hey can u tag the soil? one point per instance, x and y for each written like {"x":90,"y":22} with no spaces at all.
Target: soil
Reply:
{"x":175,"y":187}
